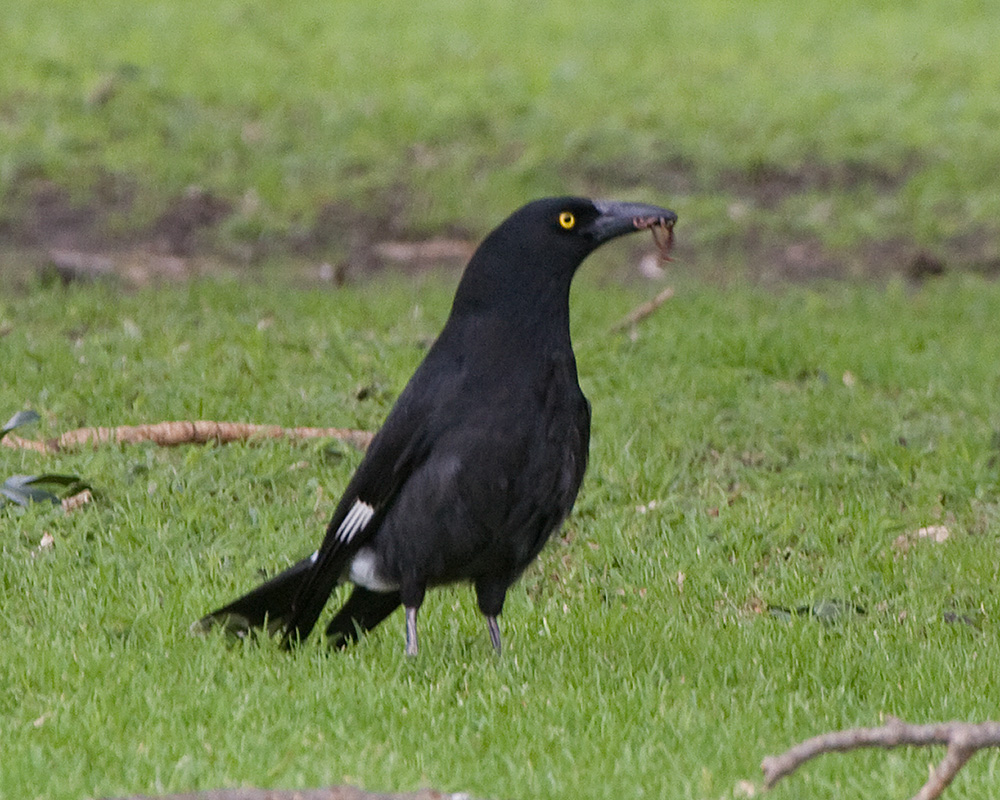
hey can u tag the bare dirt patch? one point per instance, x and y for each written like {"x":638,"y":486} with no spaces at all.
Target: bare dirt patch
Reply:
{"x":177,"y":228}
{"x":771,"y":184}
{"x":97,"y":235}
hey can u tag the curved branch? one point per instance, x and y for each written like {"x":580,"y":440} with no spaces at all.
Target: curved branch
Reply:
{"x":963,"y":740}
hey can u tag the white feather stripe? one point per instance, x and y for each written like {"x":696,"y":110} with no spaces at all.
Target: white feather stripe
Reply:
{"x":349,"y":525}
{"x":356,"y":519}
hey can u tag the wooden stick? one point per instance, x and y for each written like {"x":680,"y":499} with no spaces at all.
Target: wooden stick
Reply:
{"x":169,"y":434}
{"x":962,"y":739}
{"x":639,"y":313}
{"x":331,"y":793}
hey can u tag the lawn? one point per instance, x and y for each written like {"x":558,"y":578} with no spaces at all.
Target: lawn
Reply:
{"x":794,"y":138}
{"x":755,"y":456}
{"x":744,"y":567}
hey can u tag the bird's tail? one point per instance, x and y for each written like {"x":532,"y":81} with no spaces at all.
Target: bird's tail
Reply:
{"x":270,"y":605}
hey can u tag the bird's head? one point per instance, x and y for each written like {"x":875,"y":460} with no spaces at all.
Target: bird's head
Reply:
{"x":573,"y":227}
{"x":540,"y":245}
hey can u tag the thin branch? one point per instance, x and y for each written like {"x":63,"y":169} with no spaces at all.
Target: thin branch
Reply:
{"x":169,"y":434}
{"x":963,"y":740}
{"x":332,"y":793}
{"x":639,"y":313}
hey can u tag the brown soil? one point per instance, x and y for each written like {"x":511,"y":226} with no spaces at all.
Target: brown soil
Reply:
{"x":76,"y":239}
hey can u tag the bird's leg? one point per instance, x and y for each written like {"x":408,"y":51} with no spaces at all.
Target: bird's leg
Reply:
{"x":411,"y":630}
{"x":411,"y":593}
{"x":494,"y":629}
{"x":490,"y":593}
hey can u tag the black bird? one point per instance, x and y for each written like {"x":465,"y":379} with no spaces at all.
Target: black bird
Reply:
{"x":482,"y":455}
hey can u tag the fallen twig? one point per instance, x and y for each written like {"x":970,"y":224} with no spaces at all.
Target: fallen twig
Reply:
{"x":332,"y":793}
{"x":77,"y":501}
{"x":169,"y":434}
{"x":639,"y":313}
{"x":962,"y":739}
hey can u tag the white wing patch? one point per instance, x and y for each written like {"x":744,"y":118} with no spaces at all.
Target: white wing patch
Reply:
{"x":355,"y":521}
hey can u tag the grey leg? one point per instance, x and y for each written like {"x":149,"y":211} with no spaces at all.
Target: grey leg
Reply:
{"x":494,"y":628}
{"x":411,"y":630}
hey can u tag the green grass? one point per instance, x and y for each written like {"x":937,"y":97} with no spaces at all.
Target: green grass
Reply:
{"x":769,"y":448}
{"x":875,"y":122}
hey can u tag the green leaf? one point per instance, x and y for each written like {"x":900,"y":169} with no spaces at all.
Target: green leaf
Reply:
{"x":20,"y":489}
{"x":25,"y":489}
{"x":825,"y":610}
{"x":20,"y":418}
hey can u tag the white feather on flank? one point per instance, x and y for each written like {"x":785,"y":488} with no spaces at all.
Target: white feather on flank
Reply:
{"x":363,"y":571}
{"x":356,"y":519}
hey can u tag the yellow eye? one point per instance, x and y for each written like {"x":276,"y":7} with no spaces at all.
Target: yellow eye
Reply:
{"x":567,"y":220}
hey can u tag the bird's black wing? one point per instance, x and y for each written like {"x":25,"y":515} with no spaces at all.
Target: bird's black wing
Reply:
{"x":293,"y":599}
{"x":399,"y":448}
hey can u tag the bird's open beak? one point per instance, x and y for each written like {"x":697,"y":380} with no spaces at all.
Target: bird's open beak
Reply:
{"x":617,"y":219}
